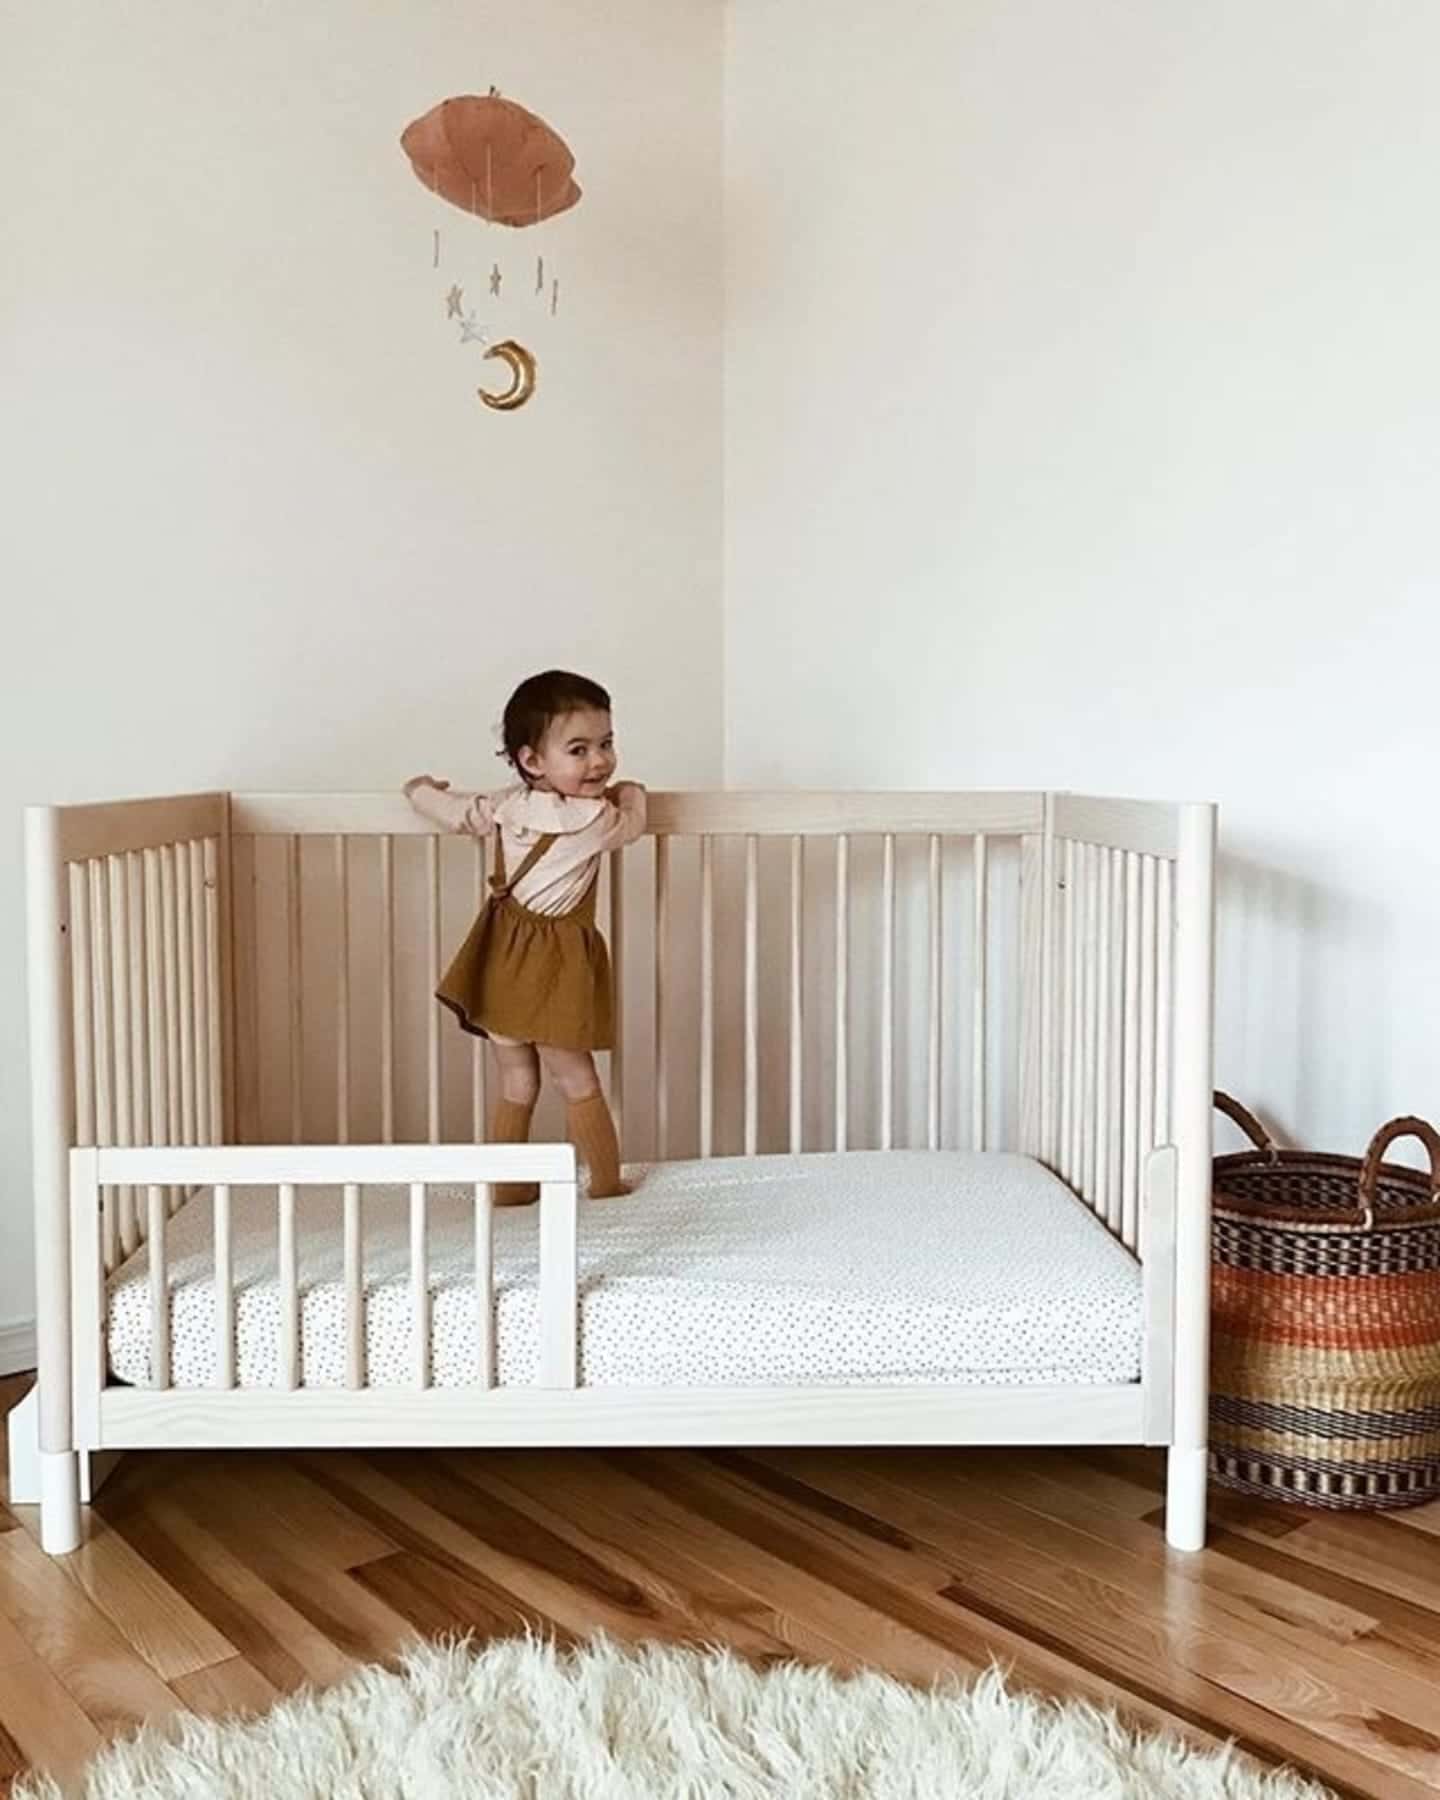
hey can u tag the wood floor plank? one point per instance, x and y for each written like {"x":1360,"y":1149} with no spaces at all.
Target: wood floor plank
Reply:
{"x":914,"y":1634}
{"x":435,"y":1600}
{"x":1372,"y":1551}
{"x":298,"y":1568}
{"x":512,"y":1551}
{"x":613,"y":1523}
{"x":422,"y":1531}
{"x":73,"y":1638}
{"x":696,"y":1614}
{"x":225,"y":1690}
{"x":1292,"y":1599}
{"x":305,"y":1512}
{"x":160,"y":1625}
{"x":43,"y":1721}
{"x":1290,"y":1697}
{"x":259,"y":1623}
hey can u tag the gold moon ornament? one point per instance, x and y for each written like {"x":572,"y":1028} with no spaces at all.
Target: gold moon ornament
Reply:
{"x":522,"y":376}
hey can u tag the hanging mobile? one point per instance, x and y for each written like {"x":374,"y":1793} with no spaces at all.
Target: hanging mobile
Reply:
{"x":492,"y":158}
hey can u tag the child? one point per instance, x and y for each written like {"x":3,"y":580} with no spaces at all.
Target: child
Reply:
{"x":533,"y":975}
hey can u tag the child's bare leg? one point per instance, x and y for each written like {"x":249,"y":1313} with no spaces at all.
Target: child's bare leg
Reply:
{"x":591,"y":1127}
{"x":510,"y":1115}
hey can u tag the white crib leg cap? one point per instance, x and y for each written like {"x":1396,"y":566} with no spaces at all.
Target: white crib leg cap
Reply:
{"x":59,"y":1501}
{"x":1186,"y":1475}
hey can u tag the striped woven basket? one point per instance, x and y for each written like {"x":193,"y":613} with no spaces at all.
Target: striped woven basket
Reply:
{"x":1325,"y":1333}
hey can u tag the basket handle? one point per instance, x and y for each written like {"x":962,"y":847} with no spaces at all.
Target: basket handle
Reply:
{"x":1249,"y":1124}
{"x":1375,"y":1156}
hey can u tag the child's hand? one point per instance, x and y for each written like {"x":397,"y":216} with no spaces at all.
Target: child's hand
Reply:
{"x":419,"y":781}
{"x":621,"y":788}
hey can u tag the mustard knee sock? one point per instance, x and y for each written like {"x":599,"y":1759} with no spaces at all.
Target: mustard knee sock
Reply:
{"x":510,"y":1124}
{"x":592,"y":1131}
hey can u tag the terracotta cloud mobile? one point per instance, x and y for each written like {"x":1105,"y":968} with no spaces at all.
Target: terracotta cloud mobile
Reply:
{"x":498,"y":162}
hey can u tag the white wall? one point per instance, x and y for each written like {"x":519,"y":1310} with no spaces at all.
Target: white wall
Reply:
{"x":1081,"y":383}
{"x":259,"y":531}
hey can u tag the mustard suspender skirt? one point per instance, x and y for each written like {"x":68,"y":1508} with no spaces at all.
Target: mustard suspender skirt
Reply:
{"x":531,"y":977}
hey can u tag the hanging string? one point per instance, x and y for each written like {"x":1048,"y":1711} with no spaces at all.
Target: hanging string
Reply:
{"x":435,"y":264}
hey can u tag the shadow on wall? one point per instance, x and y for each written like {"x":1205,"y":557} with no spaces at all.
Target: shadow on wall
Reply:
{"x":1301,"y":1032}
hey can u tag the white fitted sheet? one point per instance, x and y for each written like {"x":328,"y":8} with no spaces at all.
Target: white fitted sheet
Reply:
{"x":894,"y":1267}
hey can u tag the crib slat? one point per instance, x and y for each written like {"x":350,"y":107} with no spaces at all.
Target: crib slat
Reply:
{"x":797,"y":994}
{"x":936,"y":1046}
{"x":1088,"y":1019}
{"x":214,"y":959}
{"x":1147,"y":1007}
{"x":1117,"y":1042}
{"x":1065,"y":1151}
{"x":979,"y":983}
{"x":245,"y":925}
{"x":289,"y":1290}
{"x":139,"y":1045}
{"x":204,"y":1133}
{"x":387,"y":989}
{"x":224,"y":1291}
{"x":1103,"y":1029}
{"x":1164,"y":997}
{"x":185,"y":973}
{"x":82,"y":1004}
{"x":1130,"y":1152}
{"x":125,"y":1224}
{"x":169,"y":942}
{"x":484,"y":1285}
{"x":342,"y":990}
{"x":477,"y":1047}
{"x":558,"y":1322}
{"x":432,"y":1012}
{"x":1077,"y":1030}
{"x":662,"y":997}
{"x":752,"y":995}
{"x":707,"y":996}
{"x":159,"y":1288}
{"x":842,"y":992}
{"x":295,"y":917}
{"x":103,"y":1003}
{"x":887,"y":993}
{"x":617,"y":975}
{"x":1049,"y":989}
{"x":419,"y":1286}
{"x":155,"y":996}
{"x":354,"y":1287}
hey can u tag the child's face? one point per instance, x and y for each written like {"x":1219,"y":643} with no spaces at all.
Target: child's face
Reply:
{"x":576,"y":755}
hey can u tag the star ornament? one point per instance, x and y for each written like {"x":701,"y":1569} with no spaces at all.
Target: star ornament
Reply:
{"x":455,"y":303}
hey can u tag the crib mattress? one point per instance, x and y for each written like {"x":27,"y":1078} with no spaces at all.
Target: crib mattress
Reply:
{"x":889,"y":1268}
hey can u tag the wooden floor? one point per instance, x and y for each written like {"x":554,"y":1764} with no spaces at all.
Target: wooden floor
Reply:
{"x":218,"y":1582}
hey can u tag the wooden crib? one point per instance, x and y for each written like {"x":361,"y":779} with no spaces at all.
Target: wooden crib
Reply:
{"x":232,"y":990}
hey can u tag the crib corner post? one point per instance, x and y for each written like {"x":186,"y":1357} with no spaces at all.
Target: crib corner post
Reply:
{"x":47,"y":914}
{"x":1193,"y":1076}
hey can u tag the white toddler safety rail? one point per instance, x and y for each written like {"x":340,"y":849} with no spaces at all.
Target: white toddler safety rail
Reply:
{"x":216,"y":978}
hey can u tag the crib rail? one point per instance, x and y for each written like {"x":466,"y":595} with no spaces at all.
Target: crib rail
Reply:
{"x":795,"y":971}
{"x":289,"y":1171}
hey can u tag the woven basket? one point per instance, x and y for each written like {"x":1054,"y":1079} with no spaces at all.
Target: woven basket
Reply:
{"x":1325,"y":1337}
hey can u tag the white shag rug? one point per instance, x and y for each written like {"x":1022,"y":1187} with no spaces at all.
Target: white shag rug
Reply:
{"x":520,"y":1719}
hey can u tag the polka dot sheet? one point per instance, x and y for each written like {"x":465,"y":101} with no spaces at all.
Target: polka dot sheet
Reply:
{"x":889,"y":1268}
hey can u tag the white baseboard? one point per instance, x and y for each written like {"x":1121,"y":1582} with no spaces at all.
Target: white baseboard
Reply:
{"x":17,"y":1346}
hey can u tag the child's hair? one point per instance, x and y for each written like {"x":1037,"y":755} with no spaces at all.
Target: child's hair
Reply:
{"x":538,"y":702}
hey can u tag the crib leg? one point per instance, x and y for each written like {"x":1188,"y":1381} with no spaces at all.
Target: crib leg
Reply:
{"x":59,"y":1501}
{"x":1186,"y":1475}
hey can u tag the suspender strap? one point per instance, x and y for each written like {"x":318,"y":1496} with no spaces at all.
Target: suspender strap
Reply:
{"x":500,"y":884}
